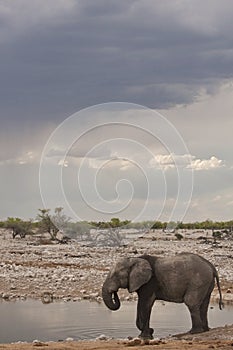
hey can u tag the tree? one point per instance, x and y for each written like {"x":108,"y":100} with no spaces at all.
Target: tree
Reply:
{"x":157,"y":225}
{"x":46,"y":224}
{"x":60,"y":219}
{"x":52,"y":224}
{"x":115,"y":222}
{"x":18,"y":227}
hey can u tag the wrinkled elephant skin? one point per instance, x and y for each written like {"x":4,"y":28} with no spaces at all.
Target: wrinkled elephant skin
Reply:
{"x":184,"y":278}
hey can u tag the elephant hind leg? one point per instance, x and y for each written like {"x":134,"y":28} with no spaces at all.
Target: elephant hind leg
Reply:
{"x":204,"y":311}
{"x":197,"y":326}
{"x":193,"y":304}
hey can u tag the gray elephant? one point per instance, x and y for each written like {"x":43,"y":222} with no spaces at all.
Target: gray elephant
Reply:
{"x":184,"y":278}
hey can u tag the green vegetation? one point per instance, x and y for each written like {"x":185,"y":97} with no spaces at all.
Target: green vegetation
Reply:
{"x":18,"y":227}
{"x":45,"y":223}
{"x":113,"y":223}
{"x":217,"y":235}
{"x":51,"y":223}
{"x":207,"y":225}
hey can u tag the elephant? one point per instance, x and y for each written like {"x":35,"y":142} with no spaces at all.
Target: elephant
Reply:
{"x":184,"y":278}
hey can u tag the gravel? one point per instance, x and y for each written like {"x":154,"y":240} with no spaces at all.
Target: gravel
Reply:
{"x":73,"y":271}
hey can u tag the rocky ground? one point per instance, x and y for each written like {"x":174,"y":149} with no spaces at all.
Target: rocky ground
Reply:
{"x":218,"y":338}
{"x":34,"y":268}
{"x":29,"y":268}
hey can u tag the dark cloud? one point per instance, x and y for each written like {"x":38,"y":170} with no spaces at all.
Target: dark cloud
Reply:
{"x":59,"y":57}
{"x":149,"y":52}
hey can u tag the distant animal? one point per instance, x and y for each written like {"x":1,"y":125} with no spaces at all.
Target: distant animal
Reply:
{"x":184,"y":278}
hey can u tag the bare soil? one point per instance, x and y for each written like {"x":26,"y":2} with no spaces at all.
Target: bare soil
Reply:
{"x":218,"y":338}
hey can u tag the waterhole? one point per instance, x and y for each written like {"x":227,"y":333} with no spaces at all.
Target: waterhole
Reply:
{"x":30,"y":319}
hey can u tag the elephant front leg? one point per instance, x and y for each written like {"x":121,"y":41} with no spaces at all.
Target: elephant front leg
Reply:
{"x":145,"y":303}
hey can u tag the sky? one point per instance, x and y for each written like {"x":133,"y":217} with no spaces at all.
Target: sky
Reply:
{"x":120,"y":109}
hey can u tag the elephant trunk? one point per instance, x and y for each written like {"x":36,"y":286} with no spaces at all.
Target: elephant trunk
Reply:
{"x":111,"y":300}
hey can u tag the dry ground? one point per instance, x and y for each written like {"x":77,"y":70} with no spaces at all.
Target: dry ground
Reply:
{"x":218,"y":338}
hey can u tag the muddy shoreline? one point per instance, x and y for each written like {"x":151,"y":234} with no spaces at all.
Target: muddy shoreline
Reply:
{"x":217,"y":338}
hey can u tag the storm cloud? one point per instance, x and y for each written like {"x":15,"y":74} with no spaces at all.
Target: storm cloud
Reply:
{"x":60,"y":56}
{"x":66,"y":55}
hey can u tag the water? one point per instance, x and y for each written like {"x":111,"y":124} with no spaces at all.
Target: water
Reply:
{"x":29,"y":320}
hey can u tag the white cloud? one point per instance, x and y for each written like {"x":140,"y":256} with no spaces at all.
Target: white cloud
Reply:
{"x":63,"y":162}
{"x":29,"y":157}
{"x":171,"y":161}
{"x":112,"y":162}
{"x":206,"y":164}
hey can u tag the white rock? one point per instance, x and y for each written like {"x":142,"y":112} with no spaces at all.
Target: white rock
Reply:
{"x":69,"y":339}
{"x":102,"y":337}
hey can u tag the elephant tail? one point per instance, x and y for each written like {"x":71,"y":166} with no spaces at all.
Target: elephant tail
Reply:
{"x":221,"y":304}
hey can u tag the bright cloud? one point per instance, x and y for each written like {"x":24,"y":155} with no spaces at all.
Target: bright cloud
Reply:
{"x":171,"y":161}
{"x":206,"y":164}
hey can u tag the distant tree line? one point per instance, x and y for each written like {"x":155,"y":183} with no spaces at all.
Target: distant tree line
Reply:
{"x":206,"y":225}
{"x":52,"y":223}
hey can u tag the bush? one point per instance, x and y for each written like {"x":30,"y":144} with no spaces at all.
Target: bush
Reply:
{"x":18,"y":227}
{"x":217,"y":235}
{"x":178,"y":236}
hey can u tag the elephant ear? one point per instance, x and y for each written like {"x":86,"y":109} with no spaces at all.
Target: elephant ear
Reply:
{"x":140,"y":273}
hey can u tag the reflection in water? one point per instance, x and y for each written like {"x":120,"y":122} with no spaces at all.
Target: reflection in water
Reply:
{"x":29,"y":320}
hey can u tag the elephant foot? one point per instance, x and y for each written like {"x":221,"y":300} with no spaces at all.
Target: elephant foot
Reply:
{"x":147,"y":334}
{"x":197,"y":330}
{"x":206,"y":329}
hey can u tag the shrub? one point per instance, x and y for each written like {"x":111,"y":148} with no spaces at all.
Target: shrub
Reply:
{"x":178,"y":236}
